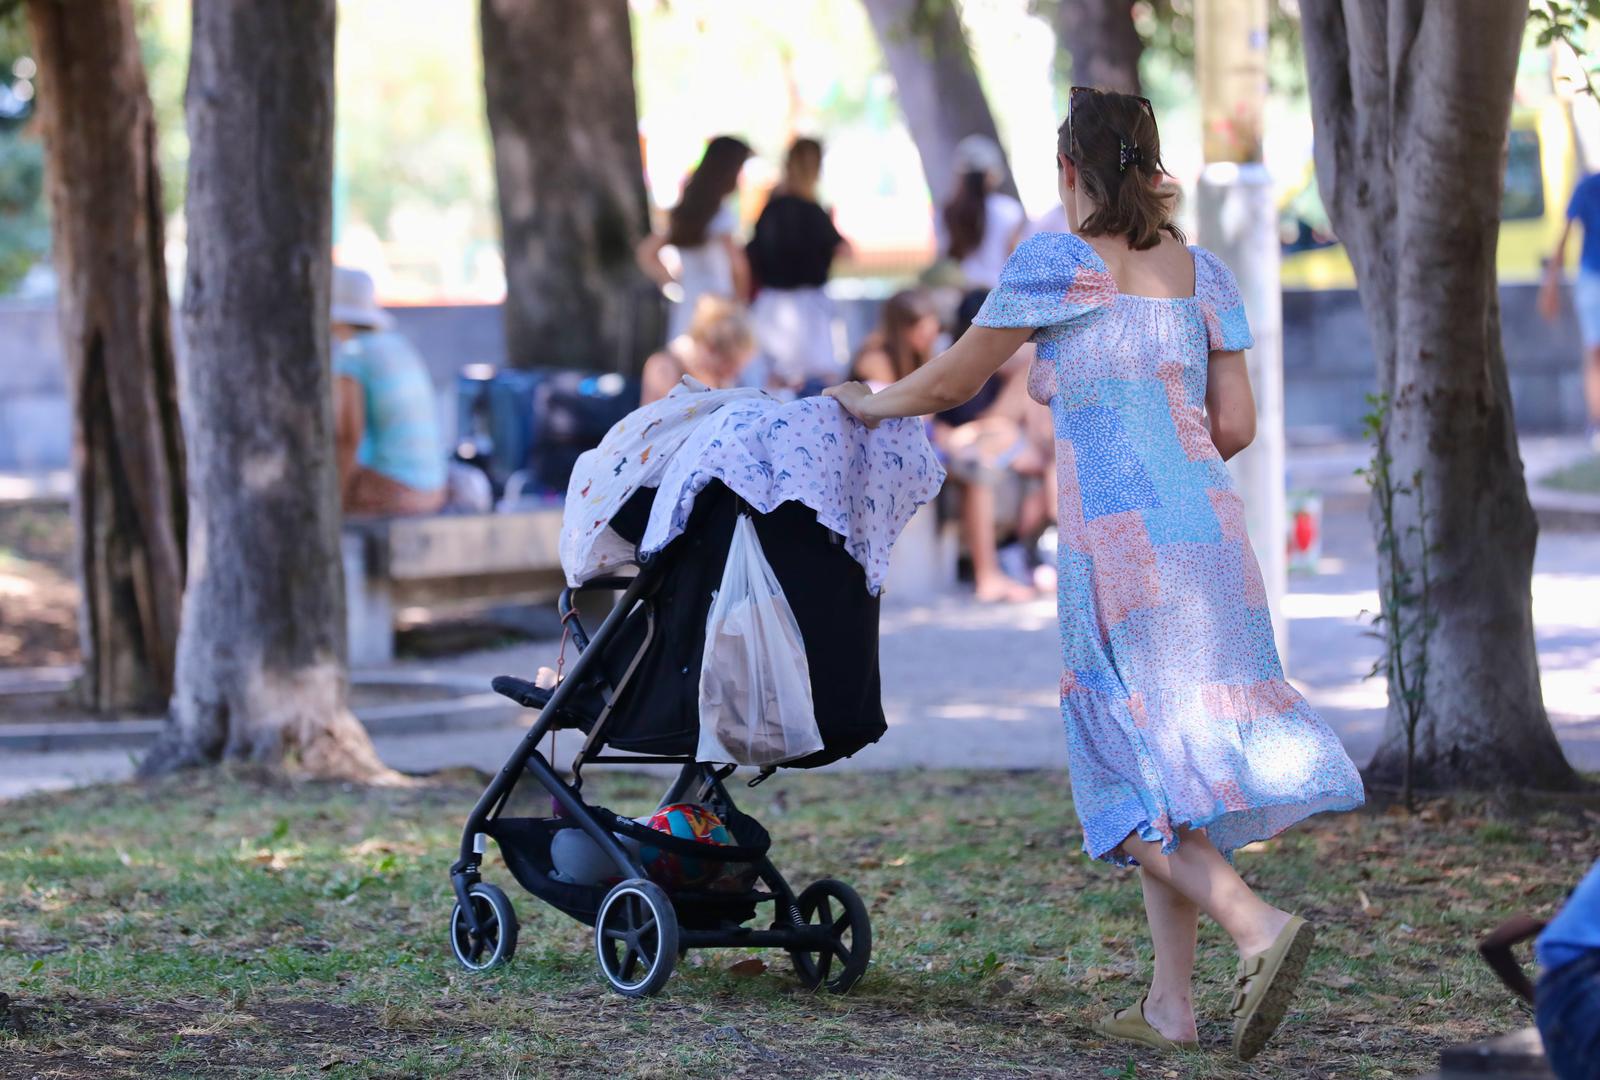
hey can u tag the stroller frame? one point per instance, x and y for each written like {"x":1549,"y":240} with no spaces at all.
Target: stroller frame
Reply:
{"x":638,"y":922}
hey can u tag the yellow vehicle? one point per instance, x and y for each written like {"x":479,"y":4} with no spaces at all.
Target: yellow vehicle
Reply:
{"x":1541,"y":169}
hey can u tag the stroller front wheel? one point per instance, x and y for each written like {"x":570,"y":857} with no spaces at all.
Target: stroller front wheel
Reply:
{"x":498,"y":941}
{"x":636,"y":938}
{"x":838,"y":911}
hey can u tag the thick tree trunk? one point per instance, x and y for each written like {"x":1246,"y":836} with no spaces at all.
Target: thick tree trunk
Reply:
{"x":1411,"y":117}
{"x":261,"y":660}
{"x":1102,"y":43}
{"x":937,"y":84}
{"x":558,"y":83}
{"x":105,"y":200}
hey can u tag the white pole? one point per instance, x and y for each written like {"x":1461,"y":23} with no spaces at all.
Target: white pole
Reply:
{"x":1238,"y":220}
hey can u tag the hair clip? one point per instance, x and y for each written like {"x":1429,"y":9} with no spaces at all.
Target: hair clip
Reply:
{"x":1128,"y":155}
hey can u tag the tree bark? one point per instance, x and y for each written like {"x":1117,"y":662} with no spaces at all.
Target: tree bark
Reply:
{"x":261,"y":659}
{"x":558,"y":84}
{"x":1101,"y":42}
{"x":938,"y":85}
{"x":1411,"y":104}
{"x":116,"y":336}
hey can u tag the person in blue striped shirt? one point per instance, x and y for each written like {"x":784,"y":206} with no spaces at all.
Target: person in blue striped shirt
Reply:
{"x":386,"y":425}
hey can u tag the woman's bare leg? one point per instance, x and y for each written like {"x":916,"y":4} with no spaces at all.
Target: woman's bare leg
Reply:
{"x":977,"y":529}
{"x":1174,"y":922}
{"x":1197,"y":871}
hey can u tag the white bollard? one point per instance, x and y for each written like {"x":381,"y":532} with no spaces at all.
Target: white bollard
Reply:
{"x":1238,"y":220}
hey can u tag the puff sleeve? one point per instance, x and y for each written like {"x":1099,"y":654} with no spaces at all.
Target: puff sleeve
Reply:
{"x":1227,"y":328}
{"x":1051,"y":279}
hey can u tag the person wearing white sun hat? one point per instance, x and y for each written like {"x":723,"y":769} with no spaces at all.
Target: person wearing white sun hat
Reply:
{"x":386,"y":429}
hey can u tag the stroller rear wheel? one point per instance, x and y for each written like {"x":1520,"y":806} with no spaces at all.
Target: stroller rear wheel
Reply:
{"x":636,"y":938}
{"x":837,"y":908}
{"x":498,"y":941}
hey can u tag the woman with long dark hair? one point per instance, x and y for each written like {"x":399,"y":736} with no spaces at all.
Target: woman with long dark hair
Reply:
{"x":1185,"y":741}
{"x":982,"y":224}
{"x":791,"y":253}
{"x":976,"y":448}
{"x":701,"y":227}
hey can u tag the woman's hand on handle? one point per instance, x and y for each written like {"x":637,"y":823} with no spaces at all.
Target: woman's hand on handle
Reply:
{"x":853,"y":396}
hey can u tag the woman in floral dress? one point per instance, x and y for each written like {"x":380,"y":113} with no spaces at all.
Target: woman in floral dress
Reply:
{"x":1184,"y":741}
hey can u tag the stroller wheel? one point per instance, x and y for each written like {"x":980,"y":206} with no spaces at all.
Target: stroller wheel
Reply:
{"x":636,"y":938}
{"x":499,"y":938}
{"x":836,"y":908}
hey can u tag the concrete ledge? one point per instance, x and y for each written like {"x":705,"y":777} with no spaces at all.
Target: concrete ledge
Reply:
{"x":472,"y":707}
{"x":1565,"y":511}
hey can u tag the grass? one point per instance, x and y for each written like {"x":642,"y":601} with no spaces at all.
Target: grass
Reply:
{"x":236,"y":925}
{"x":1581,"y":476}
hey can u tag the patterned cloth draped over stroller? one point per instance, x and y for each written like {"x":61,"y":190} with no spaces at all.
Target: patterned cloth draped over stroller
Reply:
{"x":661,"y":497}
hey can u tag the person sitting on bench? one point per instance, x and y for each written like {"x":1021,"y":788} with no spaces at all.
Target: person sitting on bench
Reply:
{"x":386,"y":428}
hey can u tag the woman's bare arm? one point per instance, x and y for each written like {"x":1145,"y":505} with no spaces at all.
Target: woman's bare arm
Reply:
{"x":1230,"y":405}
{"x":739,"y":266}
{"x":648,"y":255}
{"x":349,"y":425}
{"x":948,"y":380}
{"x":1550,"y":292}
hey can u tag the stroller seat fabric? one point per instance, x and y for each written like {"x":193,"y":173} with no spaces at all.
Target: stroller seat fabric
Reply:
{"x":658,"y":710}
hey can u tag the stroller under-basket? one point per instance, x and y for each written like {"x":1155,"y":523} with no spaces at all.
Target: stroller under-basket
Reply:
{"x":634,"y":691}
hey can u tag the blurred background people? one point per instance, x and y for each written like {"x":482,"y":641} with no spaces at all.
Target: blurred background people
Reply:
{"x":993,"y":450}
{"x":908,"y":329}
{"x":715,"y":350}
{"x":982,"y":224}
{"x":791,"y":252}
{"x":701,"y":228}
{"x":1583,"y":208}
{"x":386,"y":427}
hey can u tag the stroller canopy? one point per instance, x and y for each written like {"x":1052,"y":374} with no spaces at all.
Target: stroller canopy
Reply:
{"x":861,"y":484}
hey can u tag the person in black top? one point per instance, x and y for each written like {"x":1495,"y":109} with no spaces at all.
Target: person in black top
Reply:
{"x":790,"y":254}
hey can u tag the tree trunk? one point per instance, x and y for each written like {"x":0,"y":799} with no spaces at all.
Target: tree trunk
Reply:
{"x":116,"y":337}
{"x":558,"y":83}
{"x":261,"y":660}
{"x":937,"y":84}
{"x":1411,"y":118}
{"x":1102,"y":43}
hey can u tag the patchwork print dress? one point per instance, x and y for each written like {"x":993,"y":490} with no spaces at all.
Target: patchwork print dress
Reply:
{"x":1176,"y":709}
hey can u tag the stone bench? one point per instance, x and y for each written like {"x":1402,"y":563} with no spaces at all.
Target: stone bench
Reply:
{"x":394,"y":563}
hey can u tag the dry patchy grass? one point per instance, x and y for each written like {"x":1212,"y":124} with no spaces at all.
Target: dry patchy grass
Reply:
{"x":233,"y":925}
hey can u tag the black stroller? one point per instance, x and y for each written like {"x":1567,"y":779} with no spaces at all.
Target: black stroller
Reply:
{"x":634,"y":691}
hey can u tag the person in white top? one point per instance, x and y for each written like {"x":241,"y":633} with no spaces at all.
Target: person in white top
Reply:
{"x":701,"y":227}
{"x":982,"y":224}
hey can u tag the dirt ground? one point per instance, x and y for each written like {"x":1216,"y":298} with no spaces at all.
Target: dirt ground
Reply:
{"x":38,"y":594}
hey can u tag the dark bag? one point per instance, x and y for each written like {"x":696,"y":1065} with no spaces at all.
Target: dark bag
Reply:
{"x":572,"y":411}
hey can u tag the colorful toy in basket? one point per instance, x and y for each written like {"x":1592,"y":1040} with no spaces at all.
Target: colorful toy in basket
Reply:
{"x":686,"y":821}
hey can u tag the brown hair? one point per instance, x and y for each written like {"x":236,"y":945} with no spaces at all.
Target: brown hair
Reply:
{"x":802,"y":168}
{"x":714,"y":179}
{"x":1113,"y":140}
{"x":966,"y":215}
{"x":900,"y":313}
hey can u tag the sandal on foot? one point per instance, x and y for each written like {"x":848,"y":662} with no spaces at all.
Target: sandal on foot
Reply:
{"x":1265,"y":986}
{"x":1130,"y":1024}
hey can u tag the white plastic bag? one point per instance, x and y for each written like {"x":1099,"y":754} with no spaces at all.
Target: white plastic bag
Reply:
{"x":755,"y":686}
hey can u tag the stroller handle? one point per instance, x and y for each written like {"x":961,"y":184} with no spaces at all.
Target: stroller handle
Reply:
{"x":569,"y":613}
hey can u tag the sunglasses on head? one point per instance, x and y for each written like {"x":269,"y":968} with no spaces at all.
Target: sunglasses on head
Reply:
{"x":1083,"y":93}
